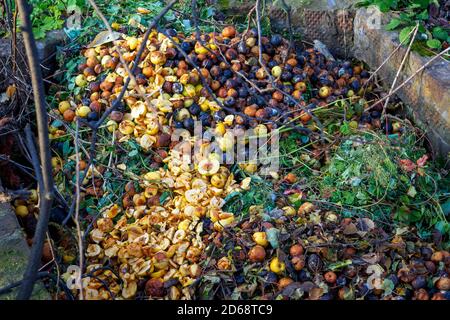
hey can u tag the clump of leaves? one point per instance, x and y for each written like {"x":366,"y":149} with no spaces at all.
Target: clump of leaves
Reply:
{"x":389,"y":178}
{"x":260,"y":193}
{"x":359,"y":162}
{"x":48,"y":15}
{"x":410,"y":14}
{"x":292,"y":154}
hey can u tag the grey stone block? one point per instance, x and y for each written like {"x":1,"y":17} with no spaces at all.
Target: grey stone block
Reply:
{"x":46,"y":48}
{"x":427,"y":94}
{"x":14,"y":253}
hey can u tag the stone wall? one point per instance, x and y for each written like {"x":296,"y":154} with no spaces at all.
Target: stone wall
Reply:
{"x":46,"y":51}
{"x":14,"y":252}
{"x":427,"y":94}
{"x":330,"y":21}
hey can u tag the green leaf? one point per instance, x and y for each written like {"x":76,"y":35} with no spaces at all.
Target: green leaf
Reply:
{"x":422,"y":29}
{"x":412,"y":192}
{"x":339,"y":265}
{"x":405,"y":34}
{"x":133,"y":153}
{"x":414,"y":216}
{"x":446,"y":207}
{"x":421,"y":3}
{"x":440,"y":33}
{"x":405,"y":18}
{"x":388,"y":286}
{"x":164,"y":196}
{"x":66,"y":148}
{"x":38,"y":33}
{"x":434,"y":43}
{"x":272,"y":237}
{"x":384,"y":5}
{"x":345,"y":129}
{"x":394,"y":23}
{"x":423,"y":15}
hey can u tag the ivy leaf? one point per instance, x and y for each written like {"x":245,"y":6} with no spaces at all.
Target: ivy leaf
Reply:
{"x":440,"y":33}
{"x":39,"y":33}
{"x":434,"y":43}
{"x":442,"y":226}
{"x":423,"y":15}
{"x":394,"y":23}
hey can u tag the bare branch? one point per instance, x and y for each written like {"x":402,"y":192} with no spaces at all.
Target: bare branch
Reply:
{"x":46,"y":191}
{"x":400,"y":68}
{"x":409,"y":78}
{"x":77,"y":208}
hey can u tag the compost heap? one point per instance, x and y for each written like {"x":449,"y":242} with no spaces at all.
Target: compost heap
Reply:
{"x":179,"y":233}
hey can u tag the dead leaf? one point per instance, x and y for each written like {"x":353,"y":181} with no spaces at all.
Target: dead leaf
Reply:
{"x":11,"y":91}
{"x":291,"y":289}
{"x":143,"y":10}
{"x":422,"y":160}
{"x":401,"y":231}
{"x":122,"y":166}
{"x":371,"y":258}
{"x":4,"y":197}
{"x":364,"y":225}
{"x":4,"y":97}
{"x":407,"y":165}
{"x":104,"y":37}
{"x":315,"y":293}
{"x":350,"y":229}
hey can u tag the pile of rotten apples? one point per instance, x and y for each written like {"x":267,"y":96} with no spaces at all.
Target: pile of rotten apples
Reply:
{"x":320,"y":255}
{"x":146,"y":247}
{"x":280,"y":90}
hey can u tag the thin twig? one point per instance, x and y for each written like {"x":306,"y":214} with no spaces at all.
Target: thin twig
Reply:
{"x":77,"y":207}
{"x":39,"y":275}
{"x":288,"y":10}
{"x":400,"y":68}
{"x":409,"y":78}
{"x":388,"y":58}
